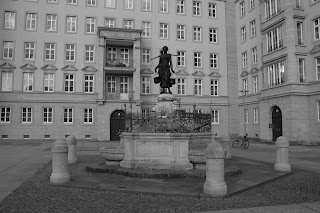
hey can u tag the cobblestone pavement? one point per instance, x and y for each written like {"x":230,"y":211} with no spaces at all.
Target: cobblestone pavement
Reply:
{"x":38,"y":195}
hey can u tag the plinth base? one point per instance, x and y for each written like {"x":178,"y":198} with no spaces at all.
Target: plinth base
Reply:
{"x":156,"y":165}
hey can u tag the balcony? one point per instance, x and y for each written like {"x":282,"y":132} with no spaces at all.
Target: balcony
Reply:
{"x":119,"y":66}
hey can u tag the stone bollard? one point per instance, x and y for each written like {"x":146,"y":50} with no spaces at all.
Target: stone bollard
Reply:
{"x":282,"y":161}
{"x":72,"y":143}
{"x":60,"y":170}
{"x":215,"y":184}
{"x":225,"y":143}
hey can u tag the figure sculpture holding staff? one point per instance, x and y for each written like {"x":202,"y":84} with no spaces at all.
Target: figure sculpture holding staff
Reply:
{"x":164,"y":69}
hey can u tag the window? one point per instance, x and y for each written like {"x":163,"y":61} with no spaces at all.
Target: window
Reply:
{"x":90,"y":53}
{"x":8,"y":47}
{"x":254,"y":55}
{"x":215,"y":116}
{"x":300,"y":33}
{"x":196,"y":6}
{"x":146,"y":5}
{"x":245,"y":85}
{"x":197,"y":87}
{"x":51,"y":23}
{"x":9,"y":20}
{"x":6,"y":81}
{"x":48,"y":82}
{"x":69,"y":83}
{"x":255,"y":84}
{"x":88,"y":83}
{"x":213,"y":60}
{"x":124,"y":84}
{"x":27,"y":82}
{"x":181,"y":59}
{"x":90,"y":25}
{"x":318,"y":68}
{"x":111,"y":84}
{"x":50,"y":51}
{"x":197,"y":59}
{"x":109,"y":22}
{"x":316,"y":28}
{"x":298,"y":3}
{"x":110,"y":3}
{"x":145,"y":85}
{"x":272,"y":8}
{"x":71,"y":24}
{"x":252,"y":4}
{"x":302,"y":77}
{"x":246,"y":114}
{"x":68,"y":115}
{"x":91,"y":2}
{"x":70,"y":52}
{"x":214,"y":87}
{"x":212,"y":10}
{"x":145,"y":112}
{"x":181,"y":86}
{"x":26,"y":115}
{"x":255,"y":115}
{"x":88,"y":116}
{"x":318,"y":102}
{"x":253,"y":30}
{"x":47,"y":115}
{"x":128,"y":24}
{"x":146,"y":56}
{"x":180,"y":7}
{"x":5,"y":114}
{"x":112,"y":54}
{"x":72,"y":1}
{"x":242,"y":9}
{"x":276,"y":74}
{"x":128,"y":4}
{"x":243,"y":34}
{"x":197,"y":34}
{"x":29,"y":50}
{"x":181,"y":32}
{"x":164,"y":6}
{"x":124,"y":54}
{"x":164,"y":31}
{"x":31,"y":21}
{"x":244,"y":60}
{"x":213,"y":35}
{"x":274,"y":39}
{"x":146,"y":26}
{"x":52,"y":1}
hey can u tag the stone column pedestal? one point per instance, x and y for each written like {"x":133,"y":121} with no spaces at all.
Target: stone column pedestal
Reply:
{"x":72,"y":145}
{"x":282,"y":160}
{"x":60,"y":170}
{"x":215,"y":185}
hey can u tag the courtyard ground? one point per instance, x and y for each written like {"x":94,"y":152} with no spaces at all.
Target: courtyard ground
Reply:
{"x":25,"y":170}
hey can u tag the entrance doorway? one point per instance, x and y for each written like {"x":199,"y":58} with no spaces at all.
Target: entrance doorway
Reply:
{"x":117,"y":124}
{"x":276,"y":123}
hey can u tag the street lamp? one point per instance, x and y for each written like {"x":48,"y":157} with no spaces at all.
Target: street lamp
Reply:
{"x":244,"y":111}
{"x":130,"y":101}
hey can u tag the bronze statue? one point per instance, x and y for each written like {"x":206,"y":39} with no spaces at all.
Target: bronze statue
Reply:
{"x":164,"y":69}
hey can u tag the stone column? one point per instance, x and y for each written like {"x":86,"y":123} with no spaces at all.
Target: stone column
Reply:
{"x":60,"y":170}
{"x":282,"y":149}
{"x":215,"y":184}
{"x":225,"y":143}
{"x":72,"y":145}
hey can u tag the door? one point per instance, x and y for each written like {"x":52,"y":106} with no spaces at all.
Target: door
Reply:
{"x":276,"y":123}
{"x":117,"y":124}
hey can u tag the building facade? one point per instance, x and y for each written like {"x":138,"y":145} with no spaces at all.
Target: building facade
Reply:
{"x":278,"y":47}
{"x":75,"y":66}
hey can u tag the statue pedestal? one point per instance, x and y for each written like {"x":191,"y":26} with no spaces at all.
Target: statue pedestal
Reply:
{"x":166,"y":104}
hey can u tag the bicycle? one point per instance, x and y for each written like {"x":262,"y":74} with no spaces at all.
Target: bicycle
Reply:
{"x":244,"y":144}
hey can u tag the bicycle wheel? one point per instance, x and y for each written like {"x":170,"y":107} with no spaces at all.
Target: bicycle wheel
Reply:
{"x":235,"y":144}
{"x":245,"y":144}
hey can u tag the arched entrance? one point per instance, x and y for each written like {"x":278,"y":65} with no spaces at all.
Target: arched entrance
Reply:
{"x":117,"y":124}
{"x":276,"y":123}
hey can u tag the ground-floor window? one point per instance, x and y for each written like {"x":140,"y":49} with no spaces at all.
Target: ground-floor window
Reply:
{"x":47,"y":114}
{"x":88,"y":116}
{"x":5,"y":115}
{"x":68,"y":115}
{"x":215,"y":116}
{"x":26,"y":115}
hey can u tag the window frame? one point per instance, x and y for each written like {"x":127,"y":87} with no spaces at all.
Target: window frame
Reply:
{"x":164,"y":30}
{"x":111,"y":84}
{"x":90,"y":54}
{"x":215,"y":116}
{"x":8,"y":50}
{"x":164,"y":6}
{"x":7,"y":82}
{"x":145,"y":85}
{"x":181,"y":86}
{"x":90,"y":25}
{"x":180,"y":7}
{"x":197,"y":59}
{"x":316,"y":29}
{"x":27,"y":116}
{"x":69,"y":83}
{"x":5,"y":117}
{"x":50,"y":82}
{"x":88,"y":116}
{"x":146,"y":26}
{"x":214,"y":87}
{"x":14,"y":18}
{"x":145,"y":4}
{"x":88,"y":83}
{"x":198,"y":87}
{"x":30,"y":51}
{"x":181,"y":32}
{"x":28,"y":78}
{"x":67,"y":115}
{"x":47,"y":116}
{"x":212,"y":11}
{"x":196,"y":9}
{"x":35,"y":21}
{"x":52,"y":52}
{"x":53,"y":22}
